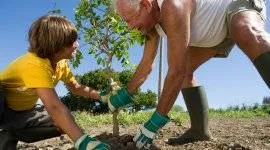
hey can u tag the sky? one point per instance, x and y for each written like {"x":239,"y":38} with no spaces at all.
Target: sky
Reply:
{"x":228,"y":82}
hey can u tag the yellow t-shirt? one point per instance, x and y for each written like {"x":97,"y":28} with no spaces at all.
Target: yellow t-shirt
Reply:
{"x":28,"y":72}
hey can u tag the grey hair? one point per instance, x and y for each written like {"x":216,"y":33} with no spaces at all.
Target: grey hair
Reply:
{"x":132,"y":3}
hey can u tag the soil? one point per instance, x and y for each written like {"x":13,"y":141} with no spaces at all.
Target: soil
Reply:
{"x":229,"y":133}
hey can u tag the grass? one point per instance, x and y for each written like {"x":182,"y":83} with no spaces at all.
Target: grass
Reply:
{"x":242,"y":112}
{"x":87,"y":119}
{"x":238,"y":114}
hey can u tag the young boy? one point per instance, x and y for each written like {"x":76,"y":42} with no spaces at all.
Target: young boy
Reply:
{"x":32,"y":76}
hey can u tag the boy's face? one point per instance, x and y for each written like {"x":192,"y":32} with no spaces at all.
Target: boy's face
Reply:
{"x":70,"y":52}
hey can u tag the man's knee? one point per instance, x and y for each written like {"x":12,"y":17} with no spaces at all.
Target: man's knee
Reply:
{"x":252,"y":39}
{"x":248,"y":33}
{"x":243,"y":34}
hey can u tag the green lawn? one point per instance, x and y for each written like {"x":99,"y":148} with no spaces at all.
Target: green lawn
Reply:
{"x":88,"y":119}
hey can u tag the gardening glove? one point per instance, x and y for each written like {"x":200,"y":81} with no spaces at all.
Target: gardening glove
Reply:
{"x":86,"y":142}
{"x":117,"y":98}
{"x":104,"y":96}
{"x":148,"y":131}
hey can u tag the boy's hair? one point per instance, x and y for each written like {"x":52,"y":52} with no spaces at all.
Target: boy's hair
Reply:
{"x":50,"y":34}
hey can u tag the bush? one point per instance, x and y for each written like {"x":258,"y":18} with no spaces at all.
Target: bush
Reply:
{"x":177,"y":108}
{"x":99,"y":79}
{"x":266,"y":108}
{"x":125,"y":76}
{"x":144,"y":100}
{"x":75,"y":103}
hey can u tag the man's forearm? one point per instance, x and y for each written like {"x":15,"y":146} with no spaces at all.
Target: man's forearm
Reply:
{"x":145,"y":66}
{"x":138,"y":79}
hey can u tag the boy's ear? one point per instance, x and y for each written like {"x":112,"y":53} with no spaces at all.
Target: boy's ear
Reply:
{"x":147,"y":4}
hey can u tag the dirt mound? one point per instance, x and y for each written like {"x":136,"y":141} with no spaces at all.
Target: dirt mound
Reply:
{"x":230,"y":134}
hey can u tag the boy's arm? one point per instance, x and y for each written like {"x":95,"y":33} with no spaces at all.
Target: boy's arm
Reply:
{"x":82,"y":90}
{"x":65,"y":121}
{"x":59,"y":113}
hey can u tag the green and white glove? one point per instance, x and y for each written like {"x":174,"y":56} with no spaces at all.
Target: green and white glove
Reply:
{"x":104,"y":97}
{"x":148,"y":131}
{"x":117,"y":98}
{"x":86,"y":142}
{"x":120,"y":99}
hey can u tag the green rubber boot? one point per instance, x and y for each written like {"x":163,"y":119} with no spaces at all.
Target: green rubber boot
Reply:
{"x":262,"y":64}
{"x":197,"y":106}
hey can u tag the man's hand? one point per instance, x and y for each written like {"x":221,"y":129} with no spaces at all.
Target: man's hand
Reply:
{"x":117,"y":98}
{"x":148,"y":131}
{"x":86,"y":142}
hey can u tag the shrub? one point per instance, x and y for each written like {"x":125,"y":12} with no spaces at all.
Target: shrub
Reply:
{"x":99,"y":79}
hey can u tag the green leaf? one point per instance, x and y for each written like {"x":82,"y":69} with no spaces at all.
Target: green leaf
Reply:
{"x":101,"y":27}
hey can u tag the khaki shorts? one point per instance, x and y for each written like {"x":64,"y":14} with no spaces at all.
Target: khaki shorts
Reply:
{"x":258,"y":6}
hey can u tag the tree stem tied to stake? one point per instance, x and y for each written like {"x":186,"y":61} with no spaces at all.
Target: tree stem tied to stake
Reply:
{"x":116,"y":112}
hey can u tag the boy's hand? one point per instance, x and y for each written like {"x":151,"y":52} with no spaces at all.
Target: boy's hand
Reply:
{"x":86,"y":142}
{"x":104,"y":97}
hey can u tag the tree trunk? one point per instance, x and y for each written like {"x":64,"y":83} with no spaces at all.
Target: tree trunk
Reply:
{"x":116,"y":113}
{"x":115,"y":123}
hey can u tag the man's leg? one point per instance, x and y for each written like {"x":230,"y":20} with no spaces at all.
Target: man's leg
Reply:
{"x":197,"y":106}
{"x":248,"y":31}
{"x":195,"y":99}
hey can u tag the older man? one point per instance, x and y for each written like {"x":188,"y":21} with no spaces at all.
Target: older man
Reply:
{"x":197,"y":30}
